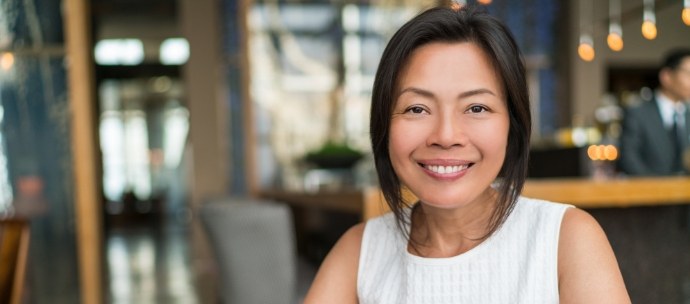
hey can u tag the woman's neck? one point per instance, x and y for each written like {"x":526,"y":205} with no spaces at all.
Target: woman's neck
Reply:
{"x":439,"y":233}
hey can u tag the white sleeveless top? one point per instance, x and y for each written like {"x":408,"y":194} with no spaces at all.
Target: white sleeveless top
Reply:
{"x":517,"y":264}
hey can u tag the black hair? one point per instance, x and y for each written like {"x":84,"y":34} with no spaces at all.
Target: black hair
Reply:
{"x":444,"y":24}
{"x":674,"y":57}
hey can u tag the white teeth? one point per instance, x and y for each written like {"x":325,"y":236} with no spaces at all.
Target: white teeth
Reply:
{"x":446,"y":169}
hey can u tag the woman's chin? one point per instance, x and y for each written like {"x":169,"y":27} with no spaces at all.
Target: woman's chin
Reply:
{"x":453,"y":199}
{"x":443,"y":202}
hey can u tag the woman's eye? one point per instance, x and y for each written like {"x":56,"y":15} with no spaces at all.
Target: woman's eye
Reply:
{"x":476,"y":109}
{"x":415,"y":110}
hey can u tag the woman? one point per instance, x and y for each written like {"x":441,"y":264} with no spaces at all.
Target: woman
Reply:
{"x":450,"y":122}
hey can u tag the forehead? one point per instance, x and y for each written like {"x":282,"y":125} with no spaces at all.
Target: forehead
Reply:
{"x":466,"y":53}
{"x":461,"y":65}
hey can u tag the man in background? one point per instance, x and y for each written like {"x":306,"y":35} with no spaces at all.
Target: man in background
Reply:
{"x":656,"y":132}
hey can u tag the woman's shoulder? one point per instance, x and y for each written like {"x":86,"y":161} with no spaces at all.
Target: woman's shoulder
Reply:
{"x":337,"y":276}
{"x":353,"y":236}
{"x":348,"y":246}
{"x":587,"y":267}
{"x":577,"y":228}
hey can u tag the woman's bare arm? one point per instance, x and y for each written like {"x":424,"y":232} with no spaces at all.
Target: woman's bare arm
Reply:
{"x":587,"y":268}
{"x":336,"y":281}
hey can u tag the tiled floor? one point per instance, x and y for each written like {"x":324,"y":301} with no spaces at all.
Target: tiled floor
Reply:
{"x":155,"y":263}
{"x":151,"y":263}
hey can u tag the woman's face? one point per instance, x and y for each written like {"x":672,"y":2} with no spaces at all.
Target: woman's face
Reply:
{"x":449,"y":127}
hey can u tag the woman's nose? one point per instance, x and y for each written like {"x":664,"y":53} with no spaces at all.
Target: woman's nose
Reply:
{"x":447,"y":133}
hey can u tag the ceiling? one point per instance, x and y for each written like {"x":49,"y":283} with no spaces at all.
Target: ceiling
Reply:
{"x":150,"y":21}
{"x":144,"y":19}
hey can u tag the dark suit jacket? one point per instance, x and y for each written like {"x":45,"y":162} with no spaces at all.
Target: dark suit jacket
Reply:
{"x":646,"y":145}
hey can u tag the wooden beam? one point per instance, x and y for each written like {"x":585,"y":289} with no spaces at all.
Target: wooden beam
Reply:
{"x":204,"y":82}
{"x":88,"y":205}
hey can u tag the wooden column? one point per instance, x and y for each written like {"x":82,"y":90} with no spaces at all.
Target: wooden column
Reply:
{"x":88,"y":205}
{"x":204,"y":80}
{"x":204,"y":85}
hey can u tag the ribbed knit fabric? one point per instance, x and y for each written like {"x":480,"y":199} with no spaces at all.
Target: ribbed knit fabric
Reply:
{"x":517,"y":264}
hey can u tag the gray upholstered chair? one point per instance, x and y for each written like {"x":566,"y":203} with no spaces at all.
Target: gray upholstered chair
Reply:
{"x":254,"y":245}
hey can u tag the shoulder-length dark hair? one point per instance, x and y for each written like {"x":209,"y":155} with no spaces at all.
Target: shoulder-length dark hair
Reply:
{"x":443,"y":24}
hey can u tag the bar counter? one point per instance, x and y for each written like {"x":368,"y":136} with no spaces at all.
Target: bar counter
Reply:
{"x":583,"y":193}
{"x":628,"y":192}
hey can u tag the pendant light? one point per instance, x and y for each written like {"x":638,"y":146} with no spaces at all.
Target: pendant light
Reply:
{"x":585,"y":48}
{"x":615,"y":37}
{"x":649,"y":30}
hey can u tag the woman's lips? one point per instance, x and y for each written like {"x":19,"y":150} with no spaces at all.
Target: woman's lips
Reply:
{"x":446,"y":169}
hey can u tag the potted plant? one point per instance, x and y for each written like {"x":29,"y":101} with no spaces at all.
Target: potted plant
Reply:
{"x":333,"y":155}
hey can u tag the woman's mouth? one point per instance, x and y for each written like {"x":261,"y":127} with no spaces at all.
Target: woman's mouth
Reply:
{"x":446,"y":170}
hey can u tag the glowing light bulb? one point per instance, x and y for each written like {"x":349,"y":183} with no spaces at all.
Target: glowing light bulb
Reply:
{"x":586,"y":51}
{"x":649,"y":30}
{"x":615,"y":41}
{"x":686,"y":16}
{"x":610,"y":152}
{"x":485,"y":2}
{"x":592,"y":152}
{"x":6,"y":61}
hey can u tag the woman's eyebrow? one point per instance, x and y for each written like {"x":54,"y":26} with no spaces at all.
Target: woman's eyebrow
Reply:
{"x":429,"y":94}
{"x":476,"y":92}
{"x":417,"y":91}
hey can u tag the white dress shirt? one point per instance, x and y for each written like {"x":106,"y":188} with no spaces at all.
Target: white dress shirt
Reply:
{"x":668,"y":109}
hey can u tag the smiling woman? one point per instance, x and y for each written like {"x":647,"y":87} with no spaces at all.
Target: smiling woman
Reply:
{"x":450,"y":122}
{"x":444,"y":131}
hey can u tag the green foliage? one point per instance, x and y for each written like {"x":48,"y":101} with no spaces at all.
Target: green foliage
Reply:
{"x":334,"y":155}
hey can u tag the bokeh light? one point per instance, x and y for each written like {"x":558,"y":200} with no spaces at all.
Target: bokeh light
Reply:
{"x":649,"y":30}
{"x":615,"y":41}
{"x":586,"y":51}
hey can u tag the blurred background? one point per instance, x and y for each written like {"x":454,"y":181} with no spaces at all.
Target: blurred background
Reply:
{"x":119,"y":119}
